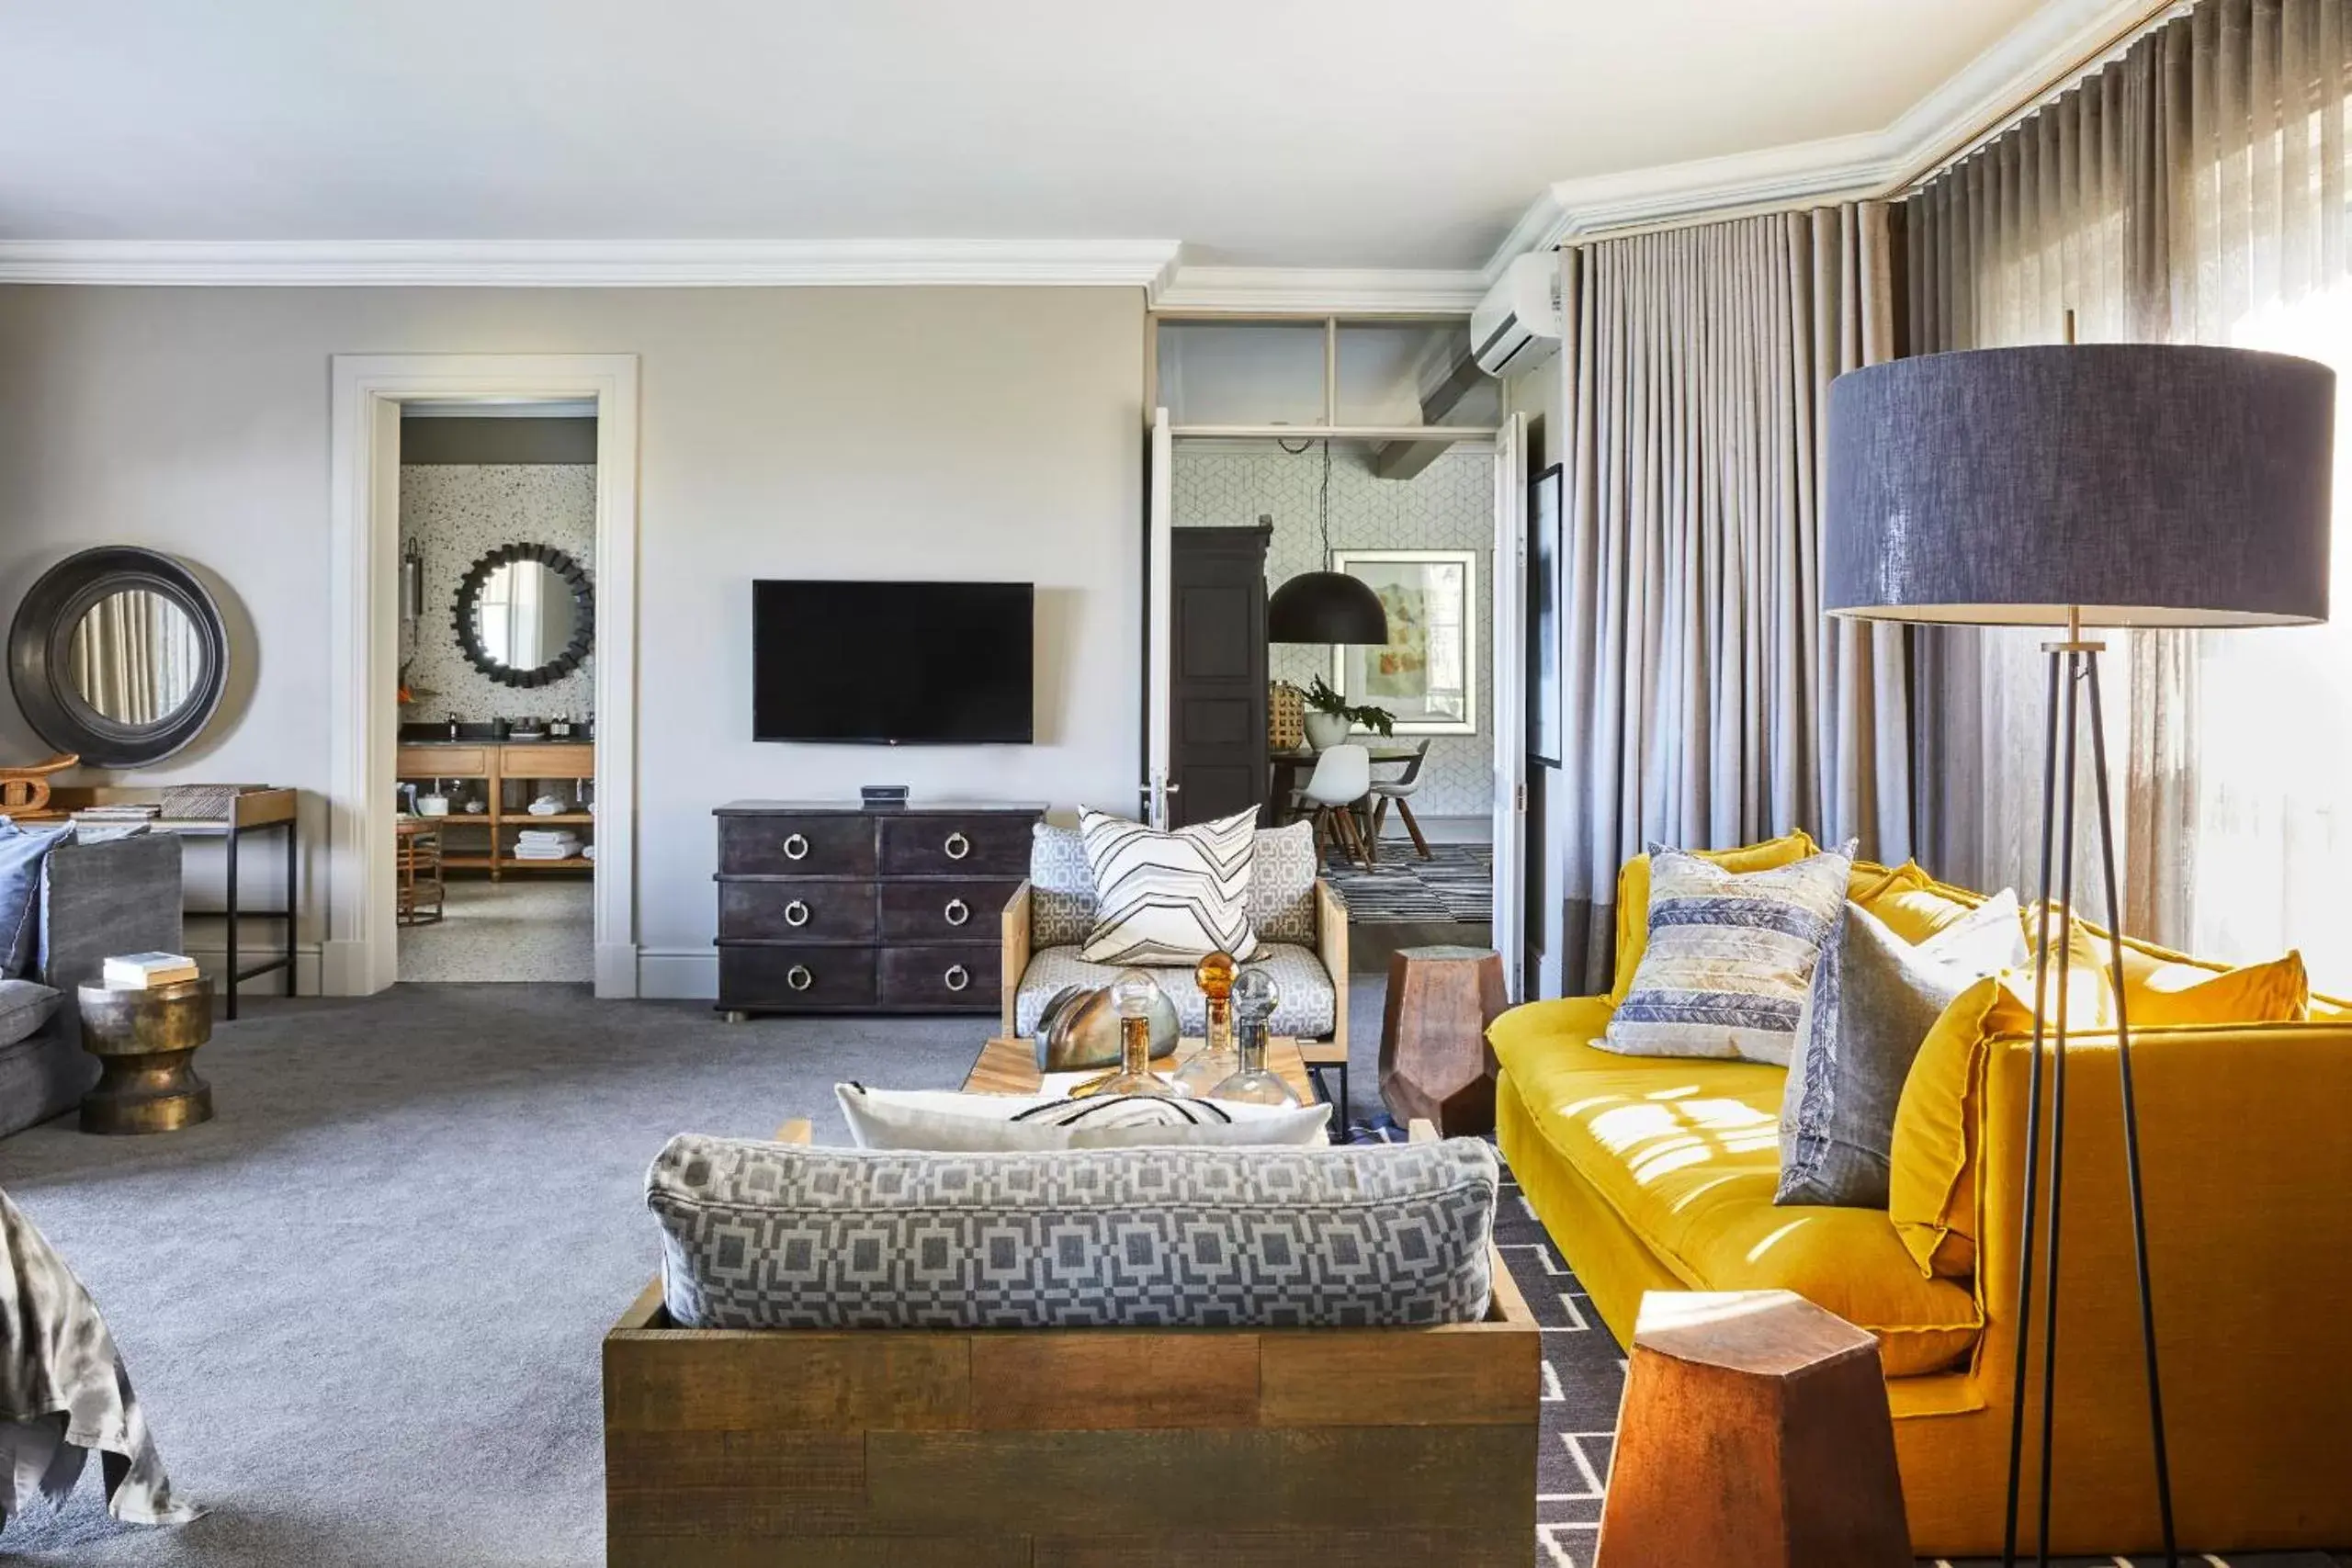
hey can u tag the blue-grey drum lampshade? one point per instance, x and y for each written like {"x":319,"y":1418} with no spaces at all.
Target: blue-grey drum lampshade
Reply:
{"x":2147,"y":484}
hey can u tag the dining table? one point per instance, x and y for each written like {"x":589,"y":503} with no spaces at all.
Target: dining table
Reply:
{"x":1290,"y":765}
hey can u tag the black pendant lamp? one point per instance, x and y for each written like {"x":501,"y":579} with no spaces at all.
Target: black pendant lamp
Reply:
{"x":1325,"y":606}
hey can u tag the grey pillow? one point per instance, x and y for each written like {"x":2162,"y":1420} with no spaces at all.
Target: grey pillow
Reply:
{"x":23,"y":853}
{"x":25,"y":1006}
{"x":1872,"y":1001}
{"x":775,"y":1236}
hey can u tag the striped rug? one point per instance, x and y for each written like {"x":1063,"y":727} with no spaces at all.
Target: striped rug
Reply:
{"x":1456,"y":883}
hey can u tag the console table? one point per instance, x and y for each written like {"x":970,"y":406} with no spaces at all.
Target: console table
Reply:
{"x":834,"y":908}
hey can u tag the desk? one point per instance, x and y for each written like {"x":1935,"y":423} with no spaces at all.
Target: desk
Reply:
{"x":252,"y":811}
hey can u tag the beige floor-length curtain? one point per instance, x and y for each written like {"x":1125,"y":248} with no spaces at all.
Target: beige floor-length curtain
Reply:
{"x":1708,"y":700}
{"x":2194,"y":190}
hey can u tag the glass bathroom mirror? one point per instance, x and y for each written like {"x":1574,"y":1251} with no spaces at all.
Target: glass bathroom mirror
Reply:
{"x":526,"y":614}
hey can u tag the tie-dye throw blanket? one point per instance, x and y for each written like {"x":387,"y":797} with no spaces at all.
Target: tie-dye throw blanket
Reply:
{"x":63,"y":1391}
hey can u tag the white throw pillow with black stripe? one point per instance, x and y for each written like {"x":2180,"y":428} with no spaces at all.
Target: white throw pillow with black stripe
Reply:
{"x":978,"y":1123}
{"x":1169,"y":899}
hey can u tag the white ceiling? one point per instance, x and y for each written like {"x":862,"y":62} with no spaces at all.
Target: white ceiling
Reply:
{"x":1297,"y":134}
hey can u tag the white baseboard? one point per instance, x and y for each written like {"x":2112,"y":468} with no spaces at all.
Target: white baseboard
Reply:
{"x":616,"y":971}
{"x":678,"y":974}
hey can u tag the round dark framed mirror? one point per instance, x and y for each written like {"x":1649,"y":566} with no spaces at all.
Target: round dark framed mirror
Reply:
{"x":526,"y":614}
{"x":120,"y":656}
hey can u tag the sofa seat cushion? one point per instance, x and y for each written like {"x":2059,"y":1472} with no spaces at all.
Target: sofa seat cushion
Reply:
{"x":1306,"y":1012}
{"x":25,"y":1006}
{"x":776,"y":1236}
{"x":1686,"y":1154}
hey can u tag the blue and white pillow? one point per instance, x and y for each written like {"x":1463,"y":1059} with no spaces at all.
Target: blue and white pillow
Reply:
{"x":1730,"y":956}
{"x":24,"y":855}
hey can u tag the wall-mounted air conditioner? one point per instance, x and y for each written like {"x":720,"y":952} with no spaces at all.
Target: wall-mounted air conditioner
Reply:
{"x":1516,"y":326}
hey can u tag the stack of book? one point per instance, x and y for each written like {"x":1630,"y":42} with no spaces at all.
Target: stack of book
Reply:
{"x":145,"y":971}
{"x":124,"y":815}
{"x":547,"y":843}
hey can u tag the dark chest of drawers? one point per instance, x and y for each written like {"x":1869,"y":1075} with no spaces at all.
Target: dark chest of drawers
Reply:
{"x":831,"y":909}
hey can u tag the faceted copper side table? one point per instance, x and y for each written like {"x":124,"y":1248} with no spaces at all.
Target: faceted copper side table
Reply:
{"x":1435,"y":1064}
{"x":146,"y":1042}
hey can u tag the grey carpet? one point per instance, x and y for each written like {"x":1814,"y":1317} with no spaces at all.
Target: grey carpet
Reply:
{"x":362,"y":1306}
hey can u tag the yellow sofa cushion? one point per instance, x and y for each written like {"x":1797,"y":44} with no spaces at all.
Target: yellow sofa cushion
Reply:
{"x":2160,"y":992}
{"x":1686,"y":1154}
{"x":1633,"y":894}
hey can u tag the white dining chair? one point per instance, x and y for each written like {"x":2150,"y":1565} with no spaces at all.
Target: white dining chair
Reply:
{"x":1395,"y":792}
{"x":1342,"y":777}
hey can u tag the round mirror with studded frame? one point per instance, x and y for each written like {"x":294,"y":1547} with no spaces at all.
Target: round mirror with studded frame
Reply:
{"x":119,"y":654}
{"x":526,"y":614}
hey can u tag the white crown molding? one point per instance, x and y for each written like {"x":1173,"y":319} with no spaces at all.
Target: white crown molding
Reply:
{"x":1353,"y":291}
{"x":592,"y":264}
{"x":2039,"y":56}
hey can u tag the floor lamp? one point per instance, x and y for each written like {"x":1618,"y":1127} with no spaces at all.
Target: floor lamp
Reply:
{"x":2082,"y":487}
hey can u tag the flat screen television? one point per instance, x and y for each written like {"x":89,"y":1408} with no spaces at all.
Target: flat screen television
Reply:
{"x":893,"y":664}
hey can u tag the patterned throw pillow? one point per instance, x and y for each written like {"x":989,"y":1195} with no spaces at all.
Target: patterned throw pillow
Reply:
{"x":1282,"y":883}
{"x":948,"y":1123}
{"x":1729,"y":957}
{"x":1171,"y":898}
{"x":1874,"y":999}
{"x":773,"y":1235}
{"x":1061,"y":888}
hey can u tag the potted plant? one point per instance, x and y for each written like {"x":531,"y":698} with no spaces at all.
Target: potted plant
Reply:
{"x":1331,"y":717}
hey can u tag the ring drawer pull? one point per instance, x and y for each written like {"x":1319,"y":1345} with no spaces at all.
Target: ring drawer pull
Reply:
{"x":798,"y":977}
{"x":958,"y":977}
{"x":957,"y":911}
{"x":796,"y":913}
{"x":796,"y":847}
{"x":957,"y":846}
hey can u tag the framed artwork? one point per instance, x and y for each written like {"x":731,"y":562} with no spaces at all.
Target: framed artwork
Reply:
{"x":1544,"y":617}
{"x":1427,"y":674}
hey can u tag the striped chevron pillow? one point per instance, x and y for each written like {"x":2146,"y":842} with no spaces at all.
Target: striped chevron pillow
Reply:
{"x":1169,"y":898}
{"x":1731,"y":956}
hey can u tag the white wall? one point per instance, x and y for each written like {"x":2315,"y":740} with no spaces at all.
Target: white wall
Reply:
{"x":819,"y":433}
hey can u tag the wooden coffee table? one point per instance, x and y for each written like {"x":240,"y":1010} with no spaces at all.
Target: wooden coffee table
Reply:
{"x":1009,"y":1066}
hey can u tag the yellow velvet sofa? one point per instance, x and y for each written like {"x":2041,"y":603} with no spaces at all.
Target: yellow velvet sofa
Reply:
{"x":1655,"y":1174}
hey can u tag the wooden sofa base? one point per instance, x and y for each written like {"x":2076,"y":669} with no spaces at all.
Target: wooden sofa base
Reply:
{"x":1073,"y":1446}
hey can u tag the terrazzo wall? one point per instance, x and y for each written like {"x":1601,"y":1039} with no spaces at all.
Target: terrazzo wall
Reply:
{"x":1448,"y":506}
{"x":458,"y":512}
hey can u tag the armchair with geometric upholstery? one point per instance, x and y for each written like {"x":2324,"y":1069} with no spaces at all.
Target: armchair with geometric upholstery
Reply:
{"x":1302,"y":929}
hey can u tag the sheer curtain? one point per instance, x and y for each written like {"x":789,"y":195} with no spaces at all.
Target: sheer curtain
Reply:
{"x":2192,"y":191}
{"x":1707,"y":701}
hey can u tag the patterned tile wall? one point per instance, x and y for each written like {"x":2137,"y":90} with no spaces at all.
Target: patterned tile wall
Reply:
{"x":1449,"y":505}
{"x":458,"y":513}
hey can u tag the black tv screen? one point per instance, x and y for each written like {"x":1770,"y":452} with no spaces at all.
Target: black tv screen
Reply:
{"x":892,"y":663}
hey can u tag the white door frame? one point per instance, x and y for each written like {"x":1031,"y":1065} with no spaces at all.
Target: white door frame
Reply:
{"x":359,"y":954}
{"x":1159,"y":545}
{"x":1508,"y":677}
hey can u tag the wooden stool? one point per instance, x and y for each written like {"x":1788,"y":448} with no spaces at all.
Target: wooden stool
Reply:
{"x":1754,"y":1434}
{"x":1435,"y":1063}
{"x":416,"y":866}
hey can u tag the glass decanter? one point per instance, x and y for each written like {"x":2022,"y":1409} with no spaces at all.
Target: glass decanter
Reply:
{"x":1132,"y":995}
{"x":1254,"y":997}
{"x":1217,"y":1059}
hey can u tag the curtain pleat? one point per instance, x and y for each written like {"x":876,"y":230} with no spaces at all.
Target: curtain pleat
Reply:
{"x":2185,"y":192}
{"x":1709,"y":702}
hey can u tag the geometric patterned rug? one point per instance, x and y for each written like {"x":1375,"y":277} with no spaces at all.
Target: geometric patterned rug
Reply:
{"x":1456,"y":883}
{"x":1584,"y":1380}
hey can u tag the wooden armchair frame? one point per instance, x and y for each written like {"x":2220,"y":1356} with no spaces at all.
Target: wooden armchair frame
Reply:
{"x":1081,"y":1447}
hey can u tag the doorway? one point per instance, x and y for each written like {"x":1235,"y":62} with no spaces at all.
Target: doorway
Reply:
{"x":1375,"y":450}
{"x":535,"y":600}
{"x":495,"y":841}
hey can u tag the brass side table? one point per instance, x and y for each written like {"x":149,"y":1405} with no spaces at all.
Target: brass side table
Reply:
{"x":146,"y":1042}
